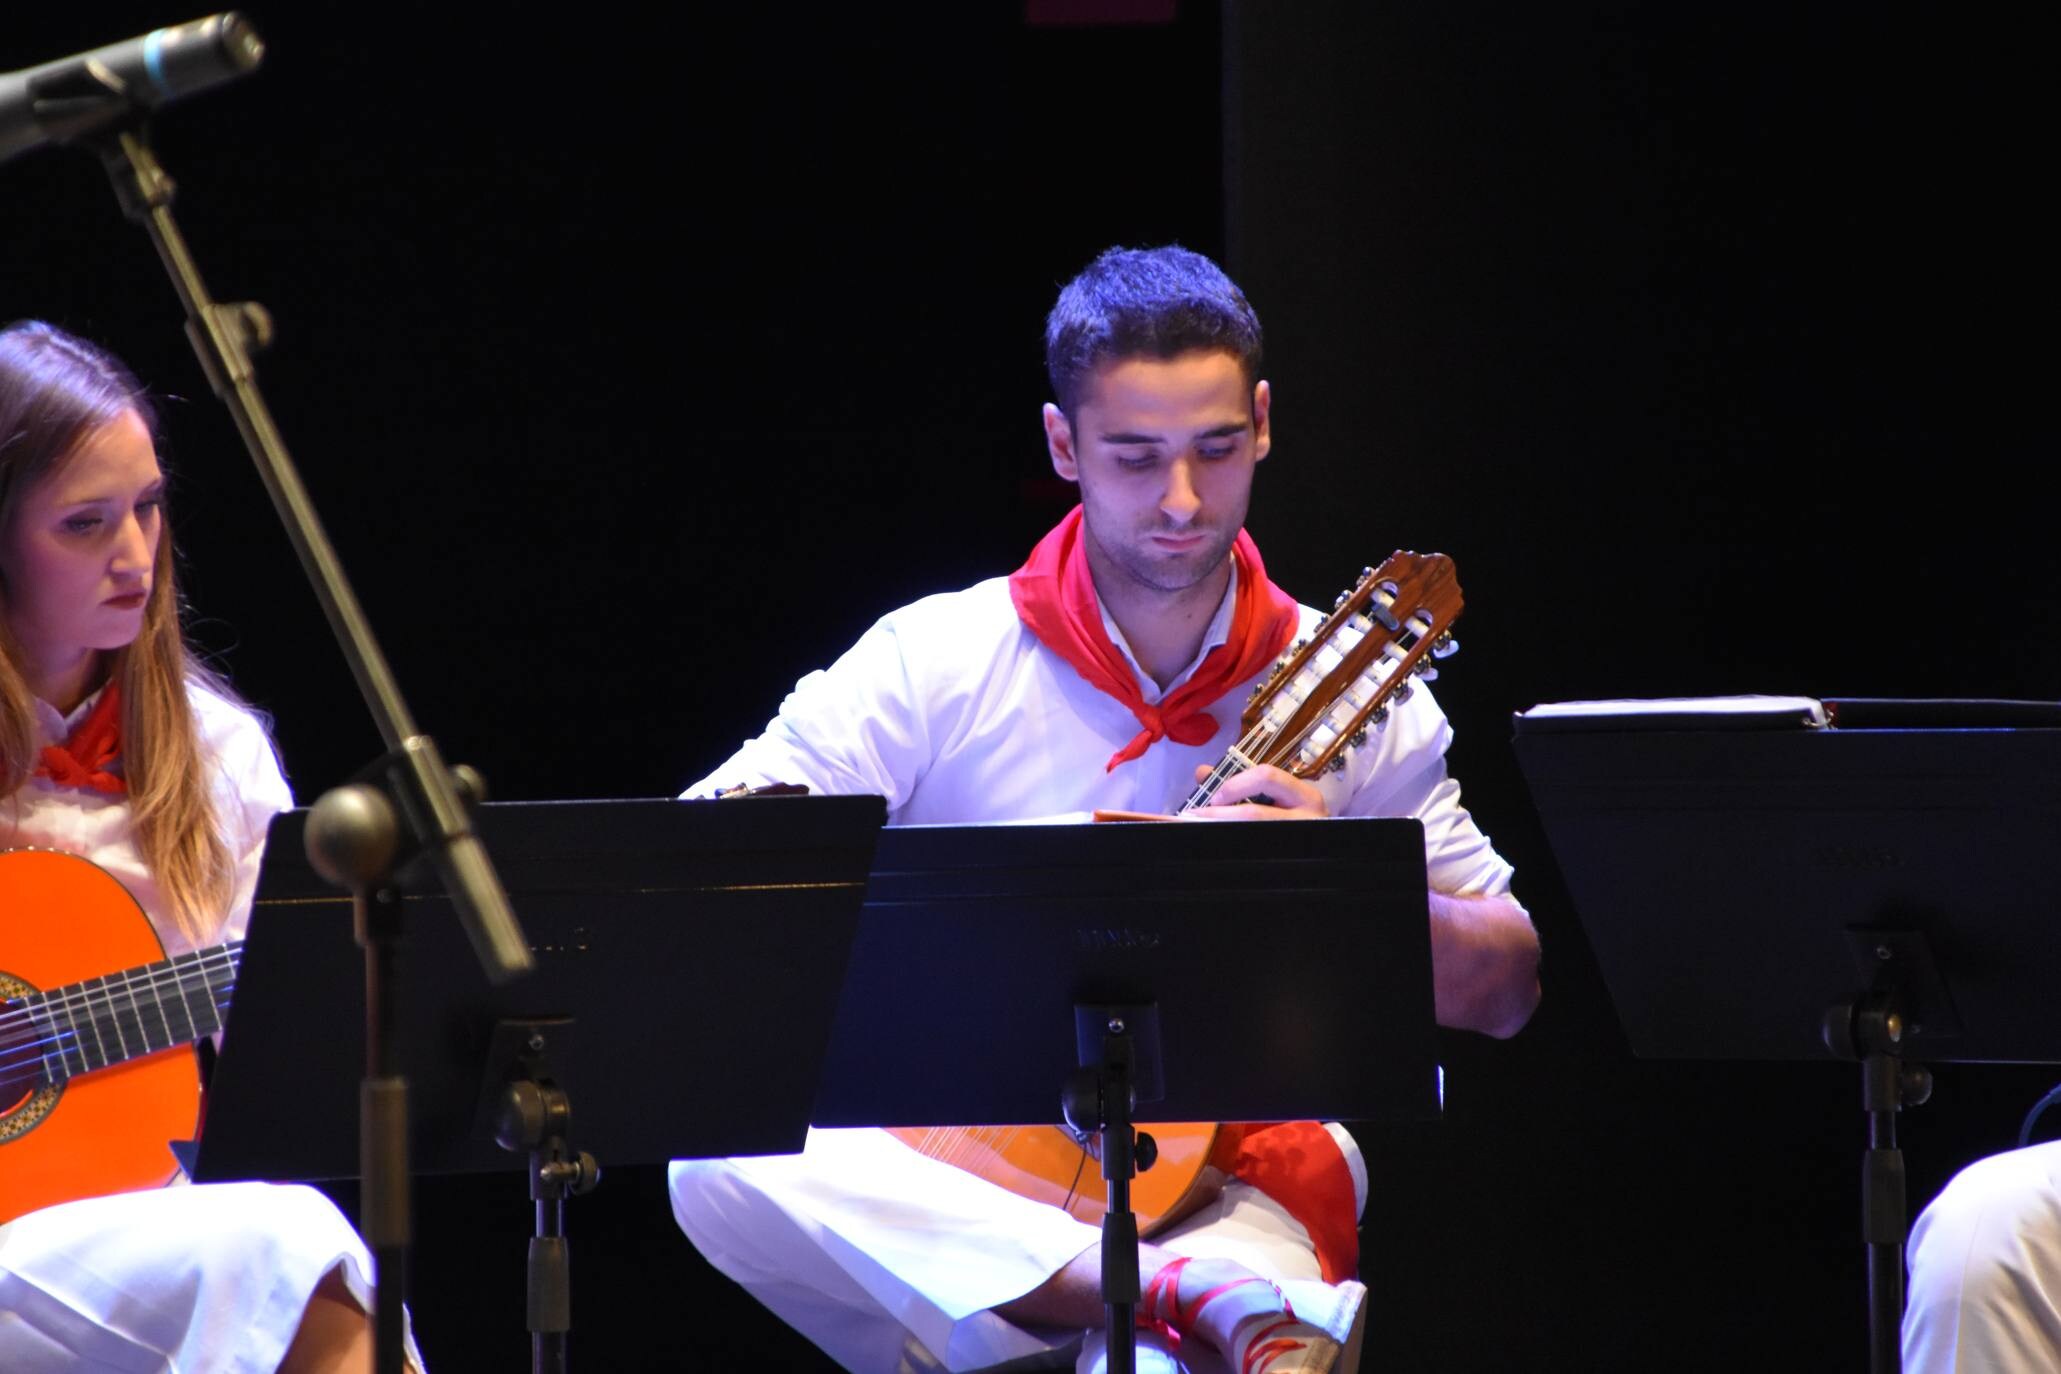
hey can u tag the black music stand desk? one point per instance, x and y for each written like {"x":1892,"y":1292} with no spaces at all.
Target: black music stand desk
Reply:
{"x":1788,"y":879}
{"x":1290,"y":966}
{"x":689,"y":956}
{"x":671,"y":932}
{"x":1222,"y":971}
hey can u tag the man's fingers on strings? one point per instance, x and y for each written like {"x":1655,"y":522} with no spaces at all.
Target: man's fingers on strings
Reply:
{"x":1263,"y":792}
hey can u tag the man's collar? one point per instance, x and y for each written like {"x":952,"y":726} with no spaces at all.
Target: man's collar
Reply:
{"x":1215,"y":636}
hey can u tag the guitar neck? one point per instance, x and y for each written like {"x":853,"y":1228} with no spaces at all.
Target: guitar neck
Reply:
{"x":1228,"y":767}
{"x":1329,"y":691}
{"x":86,"y":1026}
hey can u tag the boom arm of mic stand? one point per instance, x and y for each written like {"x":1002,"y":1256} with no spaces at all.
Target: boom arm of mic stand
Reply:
{"x":224,"y":337}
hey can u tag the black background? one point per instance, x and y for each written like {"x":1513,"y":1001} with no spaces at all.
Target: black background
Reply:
{"x":637,"y":366}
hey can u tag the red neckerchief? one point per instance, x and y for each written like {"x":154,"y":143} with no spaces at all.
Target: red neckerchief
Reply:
{"x":82,"y":760}
{"x":1054,"y":592}
{"x":1300,"y":1166}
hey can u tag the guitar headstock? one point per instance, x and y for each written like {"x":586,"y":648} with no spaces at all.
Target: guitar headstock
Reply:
{"x":1330,"y":689}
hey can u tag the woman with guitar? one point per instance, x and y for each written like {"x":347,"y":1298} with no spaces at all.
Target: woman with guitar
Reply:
{"x":127,"y":765}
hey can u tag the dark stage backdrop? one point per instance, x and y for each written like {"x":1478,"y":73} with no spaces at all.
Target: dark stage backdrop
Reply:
{"x":637,"y":367}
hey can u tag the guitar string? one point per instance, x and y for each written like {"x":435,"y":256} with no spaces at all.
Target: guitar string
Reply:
{"x":86,"y":1010}
{"x":955,"y":1145}
{"x":208,"y":963}
{"x":959,"y":1146}
{"x":103,"y":1007}
{"x":85,"y":1044}
{"x":72,"y":1021}
{"x":1253,"y":743}
{"x":75,"y":1020}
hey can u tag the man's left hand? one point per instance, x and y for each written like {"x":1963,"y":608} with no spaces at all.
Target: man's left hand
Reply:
{"x":1287,"y":797}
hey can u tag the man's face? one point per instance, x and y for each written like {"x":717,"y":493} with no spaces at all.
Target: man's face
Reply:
{"x":1163,"y":450}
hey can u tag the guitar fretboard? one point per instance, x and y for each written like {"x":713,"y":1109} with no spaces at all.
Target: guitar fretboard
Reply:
{"x":1382,"y":681}
{"x":103,"y":1021}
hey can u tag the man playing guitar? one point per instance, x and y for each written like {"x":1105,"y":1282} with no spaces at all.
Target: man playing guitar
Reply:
{"x":1099,"y":677}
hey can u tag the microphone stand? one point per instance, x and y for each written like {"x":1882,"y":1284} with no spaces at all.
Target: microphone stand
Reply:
{"x":358,"y":833}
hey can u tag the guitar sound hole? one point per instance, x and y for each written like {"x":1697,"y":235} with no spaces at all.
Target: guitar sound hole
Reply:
{"x":19,"y":1083}
{"x":20,"y":1070}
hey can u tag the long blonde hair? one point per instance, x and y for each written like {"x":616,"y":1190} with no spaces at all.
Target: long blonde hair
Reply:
{"x":55,"y":390}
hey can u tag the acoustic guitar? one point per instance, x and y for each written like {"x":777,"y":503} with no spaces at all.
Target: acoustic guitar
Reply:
{"x":98,"y":1074}
{"x":1320,"y":702}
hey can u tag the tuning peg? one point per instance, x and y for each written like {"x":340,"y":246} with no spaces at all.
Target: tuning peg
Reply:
{"x":1337,"y":764}
{"x":1339,"y":604}
{"x":1445,"y":646}
{"x":1401,"y":694}
{"x":1378,"y":717}
{"x":1366,"y":573}
{"x":1425,"y":671}
{"x":1359,"y":737}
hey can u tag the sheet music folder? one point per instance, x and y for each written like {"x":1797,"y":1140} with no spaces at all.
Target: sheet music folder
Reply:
{"x":699,"y":947}
{"x":1740,"y":868}
{"x":1290,"y":964}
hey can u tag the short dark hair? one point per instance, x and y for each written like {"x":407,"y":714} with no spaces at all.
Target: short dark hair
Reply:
{"x":1145,"y":303}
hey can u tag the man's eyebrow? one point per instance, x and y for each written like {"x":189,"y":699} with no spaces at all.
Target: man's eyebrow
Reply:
{"x":1223,"y":431}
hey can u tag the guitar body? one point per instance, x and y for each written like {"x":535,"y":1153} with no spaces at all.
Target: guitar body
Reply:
{"x":107,"y":1131}
{"x":1046,"y":1164}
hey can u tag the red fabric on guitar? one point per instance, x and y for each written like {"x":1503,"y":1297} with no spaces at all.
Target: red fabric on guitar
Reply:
{"x":82,"y":760}
{"x":1054,"y":593}
{"x":1299,"y":1165}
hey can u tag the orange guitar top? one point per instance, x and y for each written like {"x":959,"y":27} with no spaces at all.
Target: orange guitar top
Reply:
{"x":95,"y":1130}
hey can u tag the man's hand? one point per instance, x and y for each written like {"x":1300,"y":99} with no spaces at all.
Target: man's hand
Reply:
{"x":1288,"y":798}
{"x":1484,"y":964}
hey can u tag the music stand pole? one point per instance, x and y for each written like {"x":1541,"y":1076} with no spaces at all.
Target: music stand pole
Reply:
{"x":423,"y":801}
{"x":383,"y":1203}
{"x":1871,"y":1030}
{"x":1101,"y":1097}
{"x":534,"y":1116}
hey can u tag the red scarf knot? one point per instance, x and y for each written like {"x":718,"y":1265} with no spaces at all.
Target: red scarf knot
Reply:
{"x":1054,"y":592}
{"x":83,"y":759}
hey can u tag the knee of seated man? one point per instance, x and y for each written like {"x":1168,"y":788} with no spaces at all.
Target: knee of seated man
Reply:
{"x":711,"y":1205}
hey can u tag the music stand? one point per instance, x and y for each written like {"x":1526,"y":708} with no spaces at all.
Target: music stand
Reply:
{"x":1783,"y":880}
{"x":1218,"y":968}
{"x":658,"y":928}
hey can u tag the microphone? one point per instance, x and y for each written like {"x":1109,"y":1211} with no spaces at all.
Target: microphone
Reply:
{"x":73,"y":96}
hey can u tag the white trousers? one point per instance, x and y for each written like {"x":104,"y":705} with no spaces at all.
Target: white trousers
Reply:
{"x":184,"y":1280}
{"x":889,"y":1261}
{"x":1985,"y":1269}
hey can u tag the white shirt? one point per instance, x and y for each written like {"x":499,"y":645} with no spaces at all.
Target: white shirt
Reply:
{"x":957,"y":714}
{"x":247,"y":789}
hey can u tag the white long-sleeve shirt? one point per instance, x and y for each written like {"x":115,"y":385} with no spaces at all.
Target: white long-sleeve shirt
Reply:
{"x":956,"y":713}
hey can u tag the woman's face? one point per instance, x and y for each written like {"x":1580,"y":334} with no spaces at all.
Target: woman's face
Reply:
{"x":79,"y":547}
